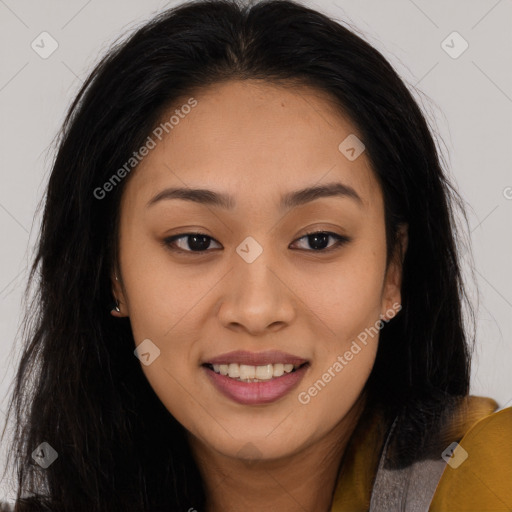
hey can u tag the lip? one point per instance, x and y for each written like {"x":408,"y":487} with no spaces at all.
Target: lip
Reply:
{"x":256,"y":393}
{"x":256,"y":358}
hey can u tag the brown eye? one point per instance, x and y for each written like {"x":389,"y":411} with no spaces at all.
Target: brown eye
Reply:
{"x":194,"y":242}
{"x":319,"y":241}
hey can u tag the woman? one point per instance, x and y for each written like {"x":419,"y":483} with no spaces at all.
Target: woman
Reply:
{"x":259,"y":195}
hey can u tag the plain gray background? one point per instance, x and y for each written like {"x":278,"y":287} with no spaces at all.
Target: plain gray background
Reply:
{"x":467,"y":98}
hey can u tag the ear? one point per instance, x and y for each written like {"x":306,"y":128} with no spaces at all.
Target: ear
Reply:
{"x":391,"y":293}
{"x":118,"y":294}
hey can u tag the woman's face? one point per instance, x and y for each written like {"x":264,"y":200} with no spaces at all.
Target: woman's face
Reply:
{"x":255,"y":282}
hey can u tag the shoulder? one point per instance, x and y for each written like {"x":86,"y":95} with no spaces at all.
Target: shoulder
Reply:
{"x":479,"y":473}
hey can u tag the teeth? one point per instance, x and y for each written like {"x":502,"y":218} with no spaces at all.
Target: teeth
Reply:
{"x":246,"y":372}
{"x":234,"y":370}
{"x":264,"y":372}
{"x":249,"y":373}
{"x":278,"y":370}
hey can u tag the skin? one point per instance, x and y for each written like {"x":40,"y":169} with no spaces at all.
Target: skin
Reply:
{"x":256,"y":141}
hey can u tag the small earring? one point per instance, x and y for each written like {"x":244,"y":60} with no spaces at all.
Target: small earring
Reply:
{"x":115,"y":307}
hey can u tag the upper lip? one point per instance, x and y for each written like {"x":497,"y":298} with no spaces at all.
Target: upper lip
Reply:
{"x":257,"y":358}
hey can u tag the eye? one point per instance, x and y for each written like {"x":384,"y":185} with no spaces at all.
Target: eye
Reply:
{"x":319,"y":240}
{"x":196,"y":242}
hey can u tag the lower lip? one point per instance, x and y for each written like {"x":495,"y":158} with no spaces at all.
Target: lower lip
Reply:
{"x":254,"y":393}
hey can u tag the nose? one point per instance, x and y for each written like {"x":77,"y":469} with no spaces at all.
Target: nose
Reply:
{"x":258,"y":296}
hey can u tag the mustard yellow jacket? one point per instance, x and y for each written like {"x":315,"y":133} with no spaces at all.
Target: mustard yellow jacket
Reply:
{"x":482,"y":483}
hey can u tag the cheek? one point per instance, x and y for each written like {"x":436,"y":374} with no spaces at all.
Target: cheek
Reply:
{"x":346,"y":348}
{"x":344,"y":304}
{"x":160,"y":293}
{"x":164,"y":307}
{"x":346,"y":296}
{"x":171,"y":316}
{"x":336,"y":383}
{"x":172,"y":323}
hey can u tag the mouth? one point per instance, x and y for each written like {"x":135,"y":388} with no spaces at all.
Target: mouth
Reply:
{"x":255,"y":385}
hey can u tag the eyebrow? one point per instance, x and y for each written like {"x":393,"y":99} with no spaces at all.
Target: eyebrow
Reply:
{"x":288,"y":200}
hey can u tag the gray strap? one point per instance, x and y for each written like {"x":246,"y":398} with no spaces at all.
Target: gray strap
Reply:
{"x":410,"y":489}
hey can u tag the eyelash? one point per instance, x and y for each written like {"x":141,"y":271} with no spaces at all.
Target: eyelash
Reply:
{"x":340,"y":241}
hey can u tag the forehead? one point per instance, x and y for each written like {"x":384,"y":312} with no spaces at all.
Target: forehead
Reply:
{"x":253,"y":139}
